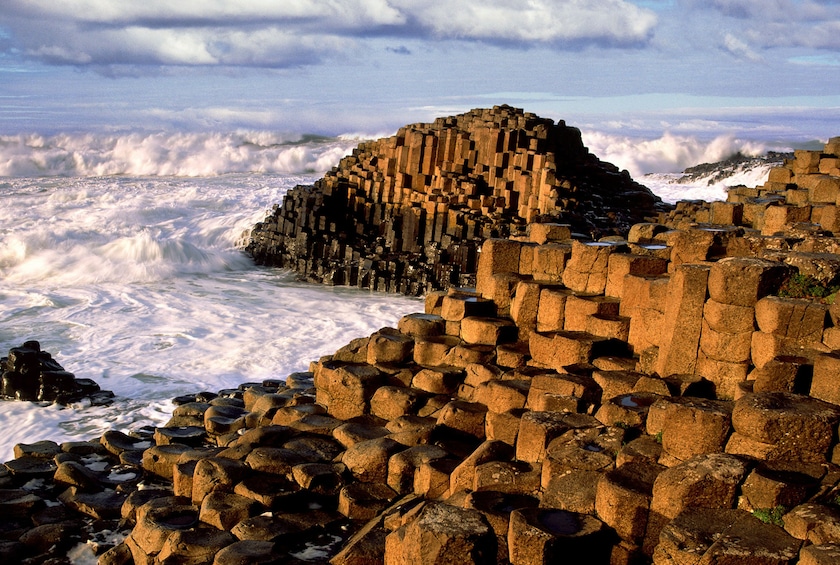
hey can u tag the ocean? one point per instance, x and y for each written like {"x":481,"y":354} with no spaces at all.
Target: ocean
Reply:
{"x":121,"y":254}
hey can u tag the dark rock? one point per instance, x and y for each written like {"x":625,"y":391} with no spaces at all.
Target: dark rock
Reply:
{"x":99,"y":505}
{"x":195,"y":545}
{"x":266,"y":528}
{"x":186,"y":435}
{"x":250,"y":552}
{"x":117,"y":555}
{"x":17,"y":504}
{"x":75,"y":474}
{"x":53,"y":538}
{"x":118,"y":442}
{"x":28,"y":467}
{"x":31,"y":374}
{"x":11,"y":551}
{"x":41,"y":449}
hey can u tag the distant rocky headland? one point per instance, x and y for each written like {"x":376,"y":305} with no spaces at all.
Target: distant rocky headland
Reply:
{"x":667,"y":393}
{"x":408,"y":213}
{"x":715,"y":172}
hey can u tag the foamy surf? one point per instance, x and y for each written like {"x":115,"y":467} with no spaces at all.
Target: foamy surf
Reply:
{"x":139,"y":284}
{"x":672,"y":187}
{"x":168,"y":154}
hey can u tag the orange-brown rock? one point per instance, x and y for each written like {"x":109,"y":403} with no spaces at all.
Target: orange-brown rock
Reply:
{"x":690,"y":426}
{"x":723,"y":536}
{"x":623,"y":497}
{"x":546,"y":535}
{"x":447,"y":186}
{"x":783,"y":425}
{"x":439,"y":534}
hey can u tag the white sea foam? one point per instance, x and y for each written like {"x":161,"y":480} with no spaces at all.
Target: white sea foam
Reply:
{"x":669,"y":153}
{"x":672,"y":187}
{"x":210,"y":154}
{"x":658,"y":163}
{"x":168,"y":154}
{"x":138,"y":283}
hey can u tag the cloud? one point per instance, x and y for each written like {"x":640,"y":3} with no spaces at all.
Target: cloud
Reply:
{"x":739,"y":48}
{"x":813,"y":24}
{"x":187,"y":13}
{"x":538,"y":21}
{"x":266,"y":33}
{"x":775,"y":10}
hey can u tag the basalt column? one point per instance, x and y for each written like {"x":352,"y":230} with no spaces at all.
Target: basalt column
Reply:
{"x":408,"y":213}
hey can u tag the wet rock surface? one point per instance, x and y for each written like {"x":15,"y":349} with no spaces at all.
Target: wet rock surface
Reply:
{"x":28,"y":373}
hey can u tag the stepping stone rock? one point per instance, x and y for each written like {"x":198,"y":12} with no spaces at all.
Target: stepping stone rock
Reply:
{"x":224,"y":509}
{"x":538,"y":535}
{"x":623,"y":497}
{"x":196,"y":545}
{"x":702,"y":535}
{"x":422,"y":325}
{"x":250,"y":552}
{"x":442,"y":534}
{"x":793,"y":426}
{"x":216,"y":474}
{"x":364,"y":501}
{"x":18,"y":503}
{"x":42,"y":449}
{"x":100,"y":505}
{"x":826,"y":554}
{"x":816,"y":523}
{"x":690,"y":426}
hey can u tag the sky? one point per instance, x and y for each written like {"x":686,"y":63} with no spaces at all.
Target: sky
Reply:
{"x":765,"y":70}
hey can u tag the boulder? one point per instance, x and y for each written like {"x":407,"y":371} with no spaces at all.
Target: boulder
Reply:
{"x":441,"y":533}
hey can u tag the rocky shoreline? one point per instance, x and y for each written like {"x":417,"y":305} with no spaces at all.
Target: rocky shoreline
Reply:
{"x":669,"y":396}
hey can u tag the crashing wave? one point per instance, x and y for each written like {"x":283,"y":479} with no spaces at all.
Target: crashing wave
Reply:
{"x":168,"y":154}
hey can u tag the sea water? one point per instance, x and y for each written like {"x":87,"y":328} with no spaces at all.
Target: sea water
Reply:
{"x":141,"y":285}
{"x":123,"y":257}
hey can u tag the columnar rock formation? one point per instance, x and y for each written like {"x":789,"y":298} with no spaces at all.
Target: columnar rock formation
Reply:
{"x":408,"y":213}
{"x":799,"y":199}
{"x":651,"y":399}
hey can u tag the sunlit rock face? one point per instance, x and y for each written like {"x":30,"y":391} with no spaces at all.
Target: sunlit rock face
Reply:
{"x":408,"y":213}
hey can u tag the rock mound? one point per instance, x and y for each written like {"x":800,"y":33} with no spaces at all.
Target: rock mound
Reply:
{"x":408,"y":213}
{"x":28,"y":373}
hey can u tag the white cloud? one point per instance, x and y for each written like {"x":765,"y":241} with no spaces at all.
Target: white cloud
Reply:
{"x":345,"y":13}
{"x":194,"y":46}
{"x":739,"y":48}
{"x":611,"y":21}
{"x":268,"y":33}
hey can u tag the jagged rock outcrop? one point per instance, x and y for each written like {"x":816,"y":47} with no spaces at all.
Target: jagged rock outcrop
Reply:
{"x":408,"y":213}
{"x":31,"y":374}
